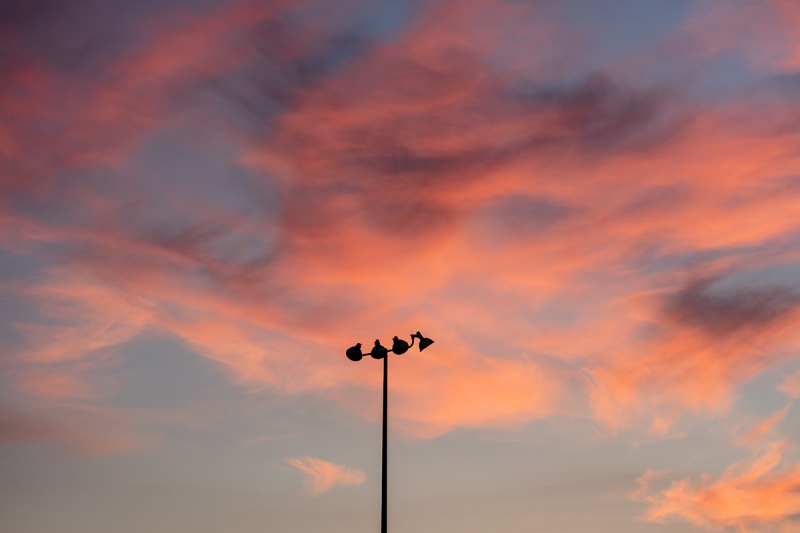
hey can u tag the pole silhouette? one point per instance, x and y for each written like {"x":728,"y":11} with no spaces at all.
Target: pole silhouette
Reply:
{"x":379,"y":352}
{"x":385,"y":442}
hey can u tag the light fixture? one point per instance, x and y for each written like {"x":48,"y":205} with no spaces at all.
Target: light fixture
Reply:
{"x":378,"y":351}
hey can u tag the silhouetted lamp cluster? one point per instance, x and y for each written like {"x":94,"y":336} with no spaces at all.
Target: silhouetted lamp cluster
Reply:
{"x":379,"y":351}
{"x":399,"y":346}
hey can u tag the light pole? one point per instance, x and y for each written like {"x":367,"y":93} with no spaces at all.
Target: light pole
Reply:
{"x":399,"y":346}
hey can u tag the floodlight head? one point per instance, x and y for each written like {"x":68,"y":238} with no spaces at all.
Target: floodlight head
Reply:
{"x":424,"y":342}
{"x":378,"y":351}
{"x":399,"y":346}
{"x":354,"y":352}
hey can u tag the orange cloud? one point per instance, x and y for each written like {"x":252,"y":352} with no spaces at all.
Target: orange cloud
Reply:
{"x":321,"y":476}
{"x":541,"y":227}
{"x":100,"y":122}
{"x":762,"y":428}
{"x":790,"y":386}
{"x":758,"y":494}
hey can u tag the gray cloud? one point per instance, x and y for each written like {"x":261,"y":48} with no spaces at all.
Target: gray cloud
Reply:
{"x":726,"y":312}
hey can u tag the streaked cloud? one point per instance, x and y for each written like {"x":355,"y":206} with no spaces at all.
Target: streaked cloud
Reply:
{"x":757,"y":494}
{"x":587,"y":239}
{"x":320,"y":476}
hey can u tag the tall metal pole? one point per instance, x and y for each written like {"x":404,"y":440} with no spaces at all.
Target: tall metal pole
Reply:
{"x":354,"y":353}
{"x":383,"y":484}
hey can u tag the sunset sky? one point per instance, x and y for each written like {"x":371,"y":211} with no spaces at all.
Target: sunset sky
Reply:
{"x":592,"y":207}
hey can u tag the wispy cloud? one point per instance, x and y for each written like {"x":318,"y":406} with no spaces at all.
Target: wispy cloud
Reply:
{"x":320,"y":476}
{"x":757,"y":494}
{"x":541,"y":218}
{"x":761,"y":428}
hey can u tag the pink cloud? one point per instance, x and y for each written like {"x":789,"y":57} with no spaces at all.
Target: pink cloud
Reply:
{"x":531,"y":225}
{"x":321,"y":476}
{"x":757,"y":494}
{"x":790,"y":386}
{"x":761,"y":428}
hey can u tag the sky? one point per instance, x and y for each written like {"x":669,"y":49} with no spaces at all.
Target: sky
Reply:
{"x":592,"y":208}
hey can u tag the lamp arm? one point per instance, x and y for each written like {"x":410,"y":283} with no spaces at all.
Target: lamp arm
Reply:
{"x":413,"y":339}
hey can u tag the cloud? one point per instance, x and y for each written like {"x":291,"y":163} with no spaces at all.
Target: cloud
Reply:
{"x":790,"y":386}
{"x":320,"y":476}
{"x":16,"y":427}
{"x":82,"y":429}
{"x":729,"y":313}
{"x":760,"y":429}
{"x":98,"y":118}
{"x":697,"y":341}
{"x":471,"y":176}
{"x":757,"y":494}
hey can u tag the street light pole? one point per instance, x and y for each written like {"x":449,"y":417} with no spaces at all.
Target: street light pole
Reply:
{"x":385,"y":442}
{"x":379,"y":352}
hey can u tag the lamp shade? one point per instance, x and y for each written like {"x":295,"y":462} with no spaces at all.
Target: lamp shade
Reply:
{"x":378,"y":351}
{"x":424,"y":342}
{"x":399,"y":345}
{"x":354,"y":352}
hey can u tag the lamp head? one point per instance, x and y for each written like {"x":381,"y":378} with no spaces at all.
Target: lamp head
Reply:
{"x":354,"y":352}
{"x":424,"y":342}
{"x":378,"y":351}
{"x":399,"y":346}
